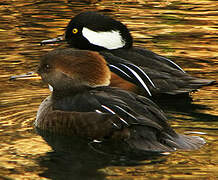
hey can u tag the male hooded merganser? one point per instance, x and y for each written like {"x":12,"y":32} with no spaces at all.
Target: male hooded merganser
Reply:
{"x":82,"y":104}
{"x":143,"y":69}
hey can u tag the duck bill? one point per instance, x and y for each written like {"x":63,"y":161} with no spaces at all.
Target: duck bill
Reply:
{"x":29,"y":75}
{"x":54,"y":40}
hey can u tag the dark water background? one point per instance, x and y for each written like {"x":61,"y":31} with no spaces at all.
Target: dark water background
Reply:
{"x":185,"y":31}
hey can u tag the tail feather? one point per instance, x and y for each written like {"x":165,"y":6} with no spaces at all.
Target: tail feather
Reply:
{"x":189,"y":142}
{"x":201,"y":82}
{"x":148,"y":140}
{"x":192,"y":86}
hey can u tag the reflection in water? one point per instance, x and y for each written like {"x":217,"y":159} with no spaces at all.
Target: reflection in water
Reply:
{"x":75,"y":158}
{"x":185,"y":31}
{"x":70,"y":159}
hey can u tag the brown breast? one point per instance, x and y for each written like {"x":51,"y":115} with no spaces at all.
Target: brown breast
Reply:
{"x":90,"y":125}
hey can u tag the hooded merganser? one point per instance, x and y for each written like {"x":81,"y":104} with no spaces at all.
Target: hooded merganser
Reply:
{"x":82,"y":104}
{"x":144,"y":69}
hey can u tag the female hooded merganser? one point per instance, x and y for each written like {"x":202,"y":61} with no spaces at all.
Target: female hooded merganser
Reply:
{"x":141,"y":68}
{"x":82,"y":104}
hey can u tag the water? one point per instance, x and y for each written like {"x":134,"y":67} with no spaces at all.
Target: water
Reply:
{"x":185,"y":31}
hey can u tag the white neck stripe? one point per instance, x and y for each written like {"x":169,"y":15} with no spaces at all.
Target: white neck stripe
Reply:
{"x":50,"y":87}
{"x":109,"y":40}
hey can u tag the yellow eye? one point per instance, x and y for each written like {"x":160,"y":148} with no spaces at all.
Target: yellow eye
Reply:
{"x":74,"y":31}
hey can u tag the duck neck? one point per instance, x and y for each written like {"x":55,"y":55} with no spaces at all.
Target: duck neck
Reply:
{"x":67,"y":100}
{"x":61,"y":93}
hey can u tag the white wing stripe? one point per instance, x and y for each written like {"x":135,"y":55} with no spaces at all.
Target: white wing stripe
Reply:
{"x":108,"y":109}
{"x":144,"y":74}
{"x":120,"y":70}
{"x":138,"y":77}
{"x":98,"y":111}
{"x":124,"y":121}
{"x":111,"y":111}
{"x":172,"y":63}
{"x":115,"y":125}
{"x":126,"y":112}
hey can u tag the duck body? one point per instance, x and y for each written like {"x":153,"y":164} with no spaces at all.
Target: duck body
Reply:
{"x":167,"y":78}
{"x":109,"y":114}
{"x":85,"y":106}
{"x":137,"y":69}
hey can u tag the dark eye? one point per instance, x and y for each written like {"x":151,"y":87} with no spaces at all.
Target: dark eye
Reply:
{"x":46,"y":67}
{"x":75,"y":30}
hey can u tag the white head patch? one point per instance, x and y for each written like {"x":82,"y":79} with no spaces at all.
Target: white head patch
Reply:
{"x":109,"y":40}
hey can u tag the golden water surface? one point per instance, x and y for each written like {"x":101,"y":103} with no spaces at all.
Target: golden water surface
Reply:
{"x":186,"y":31}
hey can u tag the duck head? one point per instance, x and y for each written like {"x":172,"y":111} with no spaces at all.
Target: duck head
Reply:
{"x":67,"y":69}
{"x":94,"y":31}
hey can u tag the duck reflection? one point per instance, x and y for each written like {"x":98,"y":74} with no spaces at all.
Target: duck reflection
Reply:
{"x":76,"y":158}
